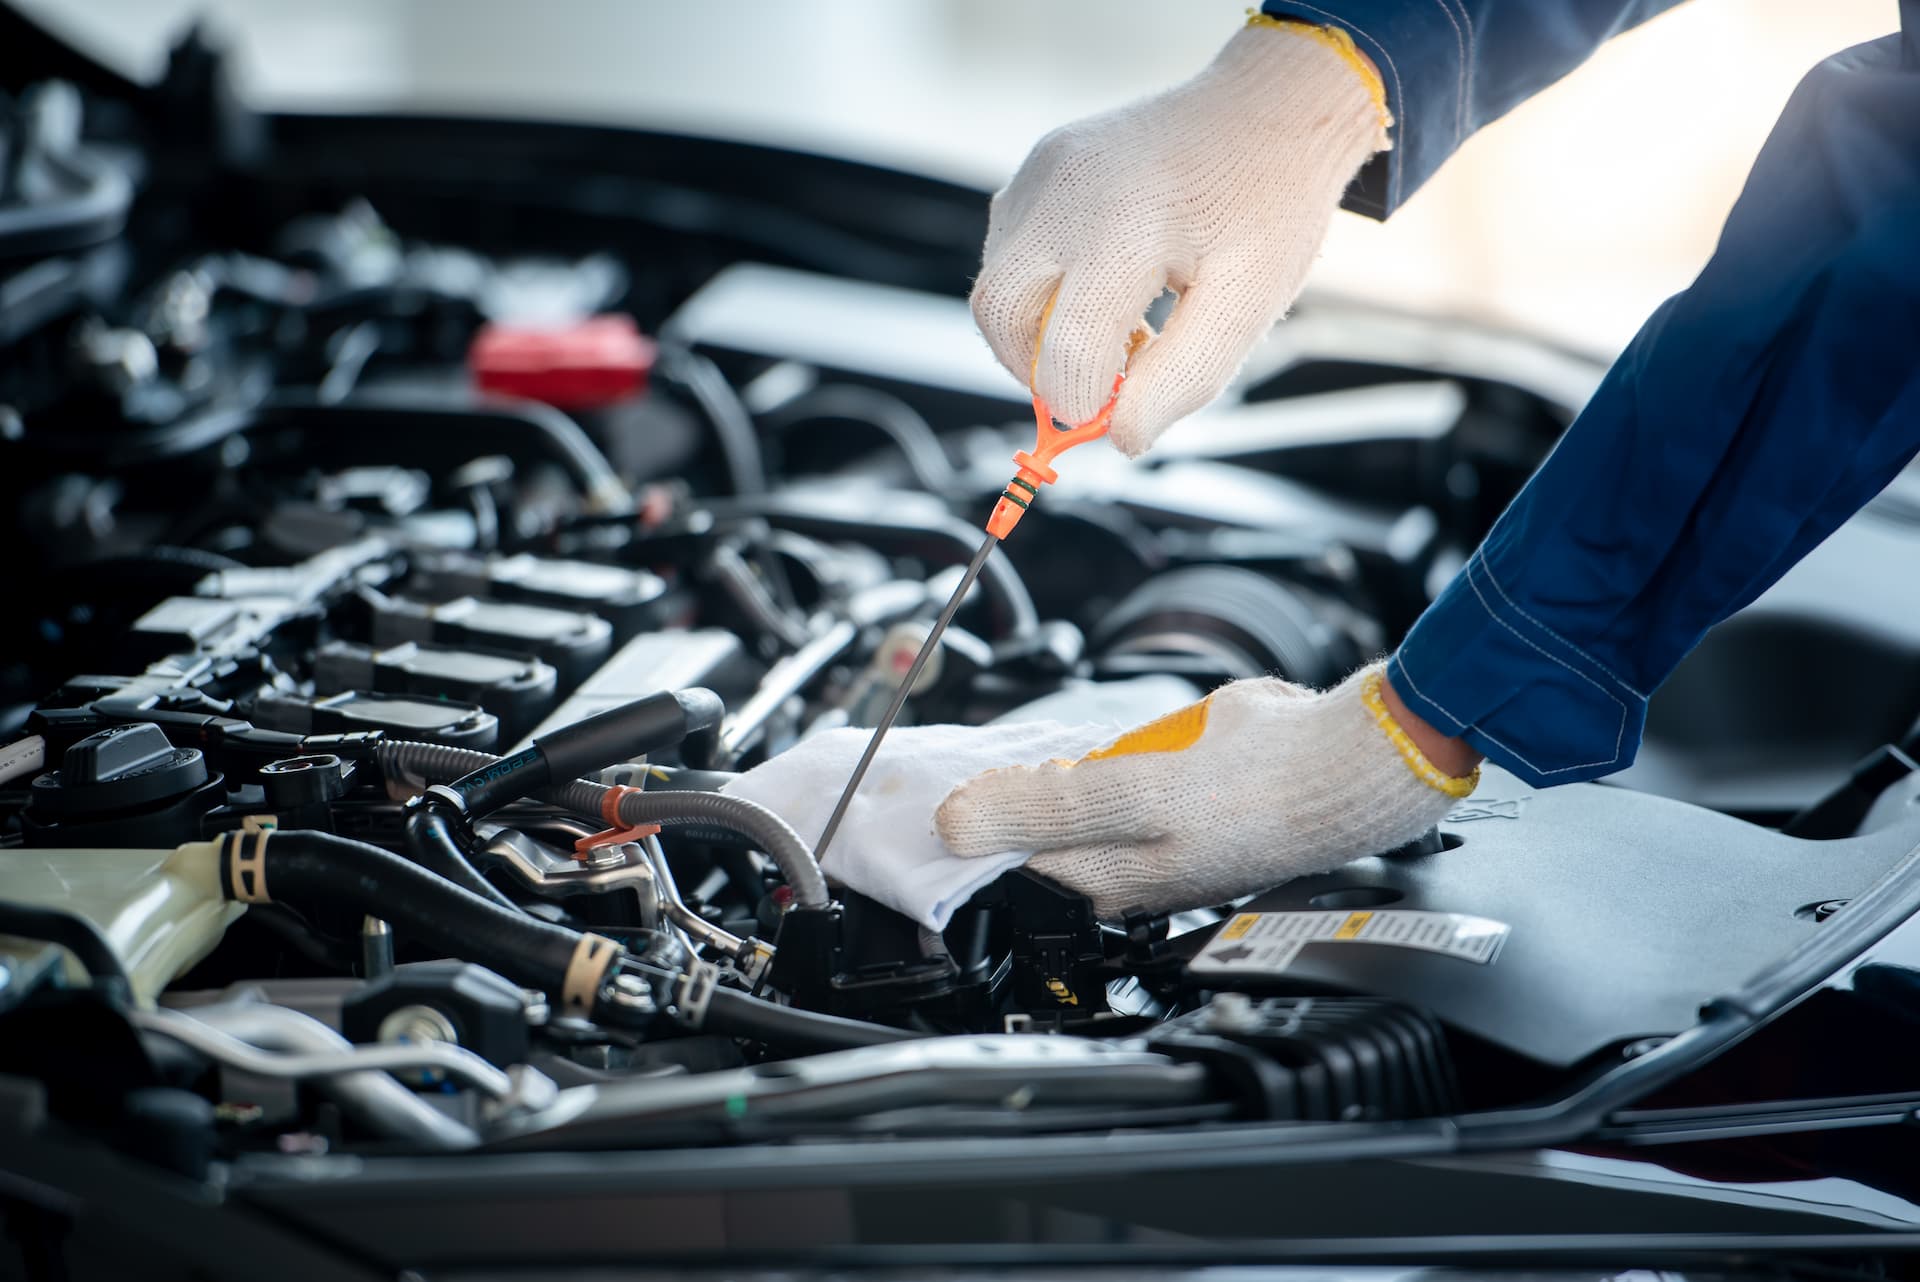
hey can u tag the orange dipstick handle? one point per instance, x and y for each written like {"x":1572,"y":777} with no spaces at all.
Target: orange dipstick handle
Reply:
{"x":1052,"y":440}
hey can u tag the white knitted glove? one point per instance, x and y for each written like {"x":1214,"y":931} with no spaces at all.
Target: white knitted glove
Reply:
{"x":1220,"y":188}
{"x":1259,"y":783}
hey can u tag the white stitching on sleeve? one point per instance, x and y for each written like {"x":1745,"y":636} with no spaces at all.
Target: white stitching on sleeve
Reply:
{"x":1479,"y":554}
{"x":1473,"y":54}
{"x":1407,"y":672}
{"x":1619,"y":733}
{"x":1460,"y":85}
{"x":1620,"y":729}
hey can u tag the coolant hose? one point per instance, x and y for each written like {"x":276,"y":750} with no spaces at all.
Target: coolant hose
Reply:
{"x":431,"y":844}
{"x":768,"y":831}
{"x":317,"y":868}
{"x":304,"y":869}
{"x":432,"y":763}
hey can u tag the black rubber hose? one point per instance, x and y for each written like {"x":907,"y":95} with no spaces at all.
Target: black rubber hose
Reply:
{"x":736,"y":1014}
{"x":758,"y":827}
{"x":488,"y":786}
{"x":386,"y":427}
{"x":935,"y":540}
{"x":427,"y":432}
{"x":317,"y":868}
{"x":431,"y":843}
{"x":75,"y":934}
{"x":704,"y":712}
{"x":732,"y":425}
{"x":886,"y":413}
{"x":309,"y":869}
{"x":767,"y":830}
{"x":593,"y":743}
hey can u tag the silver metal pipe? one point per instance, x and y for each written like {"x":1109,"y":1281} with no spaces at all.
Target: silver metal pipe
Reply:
{"x":689,"y":921}
{"x":783,"y":680}
{"x":274,"y":1041}
{"x":373,"y":1098}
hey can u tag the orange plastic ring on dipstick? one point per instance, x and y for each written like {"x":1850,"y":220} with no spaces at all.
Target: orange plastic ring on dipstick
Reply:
{"x":1051,"y":440}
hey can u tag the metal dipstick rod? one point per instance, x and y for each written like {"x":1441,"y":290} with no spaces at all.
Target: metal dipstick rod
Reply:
{"x":927,"y":648}
{"x":1035,"y":470}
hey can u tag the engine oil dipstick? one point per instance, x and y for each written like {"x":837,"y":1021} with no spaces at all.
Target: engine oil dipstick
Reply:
{"x":1051,"y":440}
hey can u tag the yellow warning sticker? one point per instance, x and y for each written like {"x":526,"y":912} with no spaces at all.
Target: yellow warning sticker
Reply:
{"x":1268,"y":943}
{"x":1239,"y":926}
{"x":1352,"y":926}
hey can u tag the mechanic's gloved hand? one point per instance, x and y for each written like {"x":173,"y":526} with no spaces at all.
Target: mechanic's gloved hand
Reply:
{"x":1220,"y":188}
{"x":1259,"y":783}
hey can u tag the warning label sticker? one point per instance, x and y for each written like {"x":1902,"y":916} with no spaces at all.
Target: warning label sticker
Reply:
{"x":1267,"y":943}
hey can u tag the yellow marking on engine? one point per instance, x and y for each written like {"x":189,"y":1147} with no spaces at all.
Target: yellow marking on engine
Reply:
{"x":1353,"y":925}
{"x":1239,"y":926}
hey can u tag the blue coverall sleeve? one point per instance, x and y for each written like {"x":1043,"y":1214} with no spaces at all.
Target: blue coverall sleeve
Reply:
{"x":1752,"y":414}
{"x":1451,"y":66}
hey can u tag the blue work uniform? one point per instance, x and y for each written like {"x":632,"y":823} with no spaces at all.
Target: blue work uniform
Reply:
{"x":1752,"y":414}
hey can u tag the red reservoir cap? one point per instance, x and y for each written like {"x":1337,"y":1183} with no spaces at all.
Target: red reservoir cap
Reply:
{"x":580,"y":365}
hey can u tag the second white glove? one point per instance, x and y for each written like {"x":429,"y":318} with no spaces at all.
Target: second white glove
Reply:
{"x":1220,"y":189}
{"x":1257,"y":784}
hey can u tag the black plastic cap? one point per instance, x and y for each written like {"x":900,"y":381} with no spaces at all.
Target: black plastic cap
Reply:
{"x":119,"y":768}
{"x":116,"y":753}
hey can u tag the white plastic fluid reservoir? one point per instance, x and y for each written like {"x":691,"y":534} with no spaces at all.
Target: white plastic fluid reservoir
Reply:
{"x":160,"y":910}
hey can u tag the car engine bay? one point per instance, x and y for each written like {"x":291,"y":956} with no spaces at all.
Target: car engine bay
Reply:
{"x":410,"y":547}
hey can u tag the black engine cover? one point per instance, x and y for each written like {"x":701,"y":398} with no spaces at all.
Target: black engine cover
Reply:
{"x":1625,"y":913}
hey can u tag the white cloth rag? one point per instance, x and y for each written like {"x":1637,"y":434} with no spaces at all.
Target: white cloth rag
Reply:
{"x":887,"y":848}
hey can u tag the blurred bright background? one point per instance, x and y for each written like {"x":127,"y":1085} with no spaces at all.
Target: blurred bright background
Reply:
{"x":1573,"y":217}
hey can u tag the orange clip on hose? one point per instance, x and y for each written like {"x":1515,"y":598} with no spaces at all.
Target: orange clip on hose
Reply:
{"x":617,"y":832}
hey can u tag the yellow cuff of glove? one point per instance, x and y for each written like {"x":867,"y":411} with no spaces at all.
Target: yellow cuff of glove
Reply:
{"x":1341,"y":43}
{"x":1428,"y":773}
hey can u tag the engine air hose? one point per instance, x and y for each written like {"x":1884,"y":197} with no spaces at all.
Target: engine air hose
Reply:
{"x":414,"y":765}
{"x":305,"y":869}
{"x":732,"y":424}
{"x":432,"y":763}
